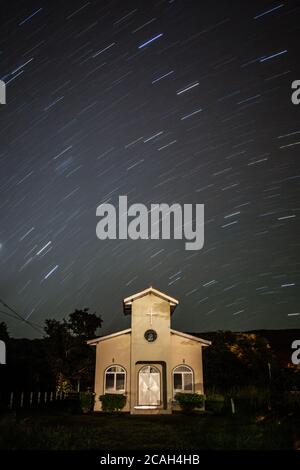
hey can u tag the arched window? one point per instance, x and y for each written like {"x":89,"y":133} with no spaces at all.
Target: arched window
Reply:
{"x":183,"y":379}
{"x":115,"y":379}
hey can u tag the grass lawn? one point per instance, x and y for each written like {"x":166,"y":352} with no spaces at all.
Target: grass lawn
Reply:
{"x":124,"y":432}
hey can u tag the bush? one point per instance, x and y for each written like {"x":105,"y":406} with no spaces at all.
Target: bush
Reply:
{"x":112,"y":402}
{"x":251,"y":399}
{"x":215,"y":402}
{"x":189,"y":401}
{"x":86,"y":401}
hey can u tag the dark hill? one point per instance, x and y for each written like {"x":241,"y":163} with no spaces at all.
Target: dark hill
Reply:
{"x":279,"y":340}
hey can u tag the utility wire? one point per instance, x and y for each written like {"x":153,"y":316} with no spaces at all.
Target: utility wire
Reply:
{"x":11,"y":315}
{"x":19,"y":317}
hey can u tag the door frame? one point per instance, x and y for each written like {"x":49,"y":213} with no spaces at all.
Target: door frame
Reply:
{"x":157,"y":371}
{"x":163,"y":382}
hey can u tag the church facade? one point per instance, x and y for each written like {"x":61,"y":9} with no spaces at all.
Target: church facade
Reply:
{"x":149,"y":362}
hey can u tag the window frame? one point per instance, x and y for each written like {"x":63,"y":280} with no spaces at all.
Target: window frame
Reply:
{"x":114,"y":374}
{"x":182,"y":373}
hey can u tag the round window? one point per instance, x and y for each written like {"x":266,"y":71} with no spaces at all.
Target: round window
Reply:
{"x":150,"y":335}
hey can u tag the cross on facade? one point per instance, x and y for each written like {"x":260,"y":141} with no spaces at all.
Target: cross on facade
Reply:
{"x":151,"y":313}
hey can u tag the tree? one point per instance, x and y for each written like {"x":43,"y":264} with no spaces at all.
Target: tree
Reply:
{"x":237,"y":359}
{"x":70,"y":358}
{"x":83,"y":324}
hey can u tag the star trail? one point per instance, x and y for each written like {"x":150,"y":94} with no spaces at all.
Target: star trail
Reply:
{"x":163,"y":101}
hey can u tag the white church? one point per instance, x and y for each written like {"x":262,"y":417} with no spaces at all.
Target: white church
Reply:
{"x":149,"y":362}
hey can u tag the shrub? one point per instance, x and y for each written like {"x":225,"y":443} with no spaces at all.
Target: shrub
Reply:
{"x":86,"y":401}
{"x":215,"y":403}
{"x":112,"y":402}
{"x":251,"y":399}
{"x":189,"y":401}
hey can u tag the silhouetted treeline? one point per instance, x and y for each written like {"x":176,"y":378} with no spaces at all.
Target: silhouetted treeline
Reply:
{"x":261,"y":358}
{"x":60,"y":360}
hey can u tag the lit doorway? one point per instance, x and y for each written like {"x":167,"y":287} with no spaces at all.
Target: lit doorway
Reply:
{"x":149,"y":386}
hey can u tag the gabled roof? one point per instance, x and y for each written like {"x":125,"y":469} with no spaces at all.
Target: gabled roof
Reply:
{"x":205,"y":342}
{"x":127,"y":302}
{"x":94,"y":341}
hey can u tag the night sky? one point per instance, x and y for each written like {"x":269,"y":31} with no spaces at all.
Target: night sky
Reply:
{"x":162,"y":101}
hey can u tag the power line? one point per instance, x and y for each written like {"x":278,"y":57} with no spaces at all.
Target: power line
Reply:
{"x":19,"y":317}
{"x":9,"y":315}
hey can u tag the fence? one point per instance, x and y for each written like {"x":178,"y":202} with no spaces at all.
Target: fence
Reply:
{"x":30,"y":400}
